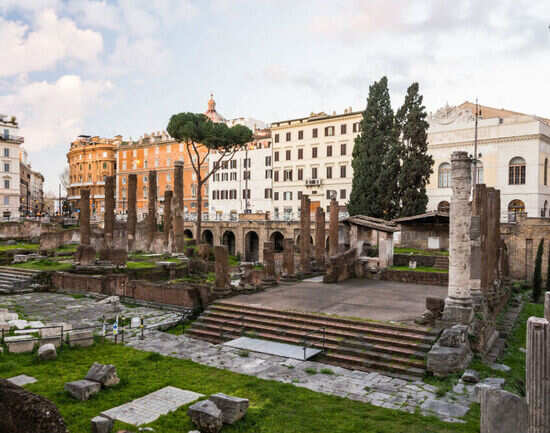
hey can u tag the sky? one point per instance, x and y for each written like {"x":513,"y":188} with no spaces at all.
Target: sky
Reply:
{"x":124,"y":67}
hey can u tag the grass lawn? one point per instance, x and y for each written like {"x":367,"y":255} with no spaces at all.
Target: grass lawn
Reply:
{"x":44,"y":265}
{"x":419,"y":269}
{"x":20,"y":246}
{"x":420,"y":252}
{"x":140,"y":265}
{"x":274,"y":407}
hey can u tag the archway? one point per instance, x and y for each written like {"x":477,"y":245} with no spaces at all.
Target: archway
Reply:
{"x":188,"y":234}
{"x":298,"y":241}
{"x":277,"y":239}
{"x":208,"y":237}
{"x":443,"y":206}
{"x":515,"y":208}
{"x":228,"y":239}
{"x":251,"y":246}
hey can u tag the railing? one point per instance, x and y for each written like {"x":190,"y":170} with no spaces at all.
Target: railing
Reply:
{"x":305,"y":343}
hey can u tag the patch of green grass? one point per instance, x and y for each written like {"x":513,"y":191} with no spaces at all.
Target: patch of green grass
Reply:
{"x":244,"y":353}
{"x":419,"y":252}
{"x":179,"y":329}
{"x":69,"y":248}
{"x":274,"y":407}
{"x":420,"y":269}
{"x":44,"y":265}
{"x":311,"y":371}
{"x":234,"y":261}
{"x":20,"y":246}
{"x":327,"y":371}
{"x":140,"y":265}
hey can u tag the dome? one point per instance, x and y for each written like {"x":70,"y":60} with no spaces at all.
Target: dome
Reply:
{"x":211,"y":112}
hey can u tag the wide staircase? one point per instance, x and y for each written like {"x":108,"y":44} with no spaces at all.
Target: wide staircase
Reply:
{"x":16,"y":280}
{"x":441,"y":262}
{"x":391,"y":349}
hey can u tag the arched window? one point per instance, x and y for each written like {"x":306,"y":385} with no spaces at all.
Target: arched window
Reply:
{"x":443,"y":206}
{"x":546,"y":171}
{"x":478,"y":174}
{"x":517,"y":171}
{"x":515,"y":208}
{"x":444,"y":175}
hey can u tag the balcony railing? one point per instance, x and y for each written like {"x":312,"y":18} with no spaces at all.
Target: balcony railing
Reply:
{"x":12,"y":139}
{"x":313,"y":182}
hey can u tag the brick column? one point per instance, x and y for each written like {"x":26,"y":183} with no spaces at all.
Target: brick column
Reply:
{"x":177,"y":204}
{"x":152,"y":208}
{"x":84,"y":217}
{"x":288,"y":258}
{"x":333,"y":228}
{"x":132,"y":211}
{"x":537,"y":374}
{"x":109,"y":216}
{"x":269,"y":261}
{"x":458,"y":305}
{"x":305,"y":234}
{"x":167,"y":216}
{"x":222,"y":282}
{"x":320,"y":238}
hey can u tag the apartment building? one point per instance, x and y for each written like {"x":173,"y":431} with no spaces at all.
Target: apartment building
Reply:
{"x":312,"y":155}
{"x":10,"y":190}
{"x":244,"y":183}
{"x":90,"y":160}
{"x":513,"y":152}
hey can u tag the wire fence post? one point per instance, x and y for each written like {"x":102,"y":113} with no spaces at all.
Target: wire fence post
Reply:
{"x":142,"y":336}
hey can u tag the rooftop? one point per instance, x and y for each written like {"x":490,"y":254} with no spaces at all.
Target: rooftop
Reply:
{"x":372,"y":223}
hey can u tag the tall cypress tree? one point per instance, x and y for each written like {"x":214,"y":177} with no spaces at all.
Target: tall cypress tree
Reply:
{"x":416,"y":163}
{"x":537,"y":276}
{"x":375,"y":166}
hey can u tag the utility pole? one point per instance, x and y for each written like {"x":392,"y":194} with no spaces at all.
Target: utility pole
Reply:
{"x":475,"y":148}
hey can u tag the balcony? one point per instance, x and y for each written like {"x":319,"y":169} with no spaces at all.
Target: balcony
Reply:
{"x":12,"y":139}
{"x":313,"y":182}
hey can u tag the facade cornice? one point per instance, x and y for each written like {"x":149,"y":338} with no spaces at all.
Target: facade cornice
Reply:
{"x":541,"y":137}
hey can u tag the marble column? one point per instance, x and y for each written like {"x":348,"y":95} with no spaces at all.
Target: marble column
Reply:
{"x":132,"y":211}
{"x":109,"y":215}
{"x":320,"y":238}
{"x":458,"y":305}
{"x":167,"y":217}
{"x":478,"y":229}
{"x":305,"y":234}
{"x":333,"y":228}
{"x":547,"y":306}
{"x":152,"y":208}
{"x":84,"y":217}
{"x":177,"y":207}
{"x":537,"y":374}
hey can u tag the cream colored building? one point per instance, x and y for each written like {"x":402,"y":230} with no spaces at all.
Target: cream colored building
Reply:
{"x":312,"y":155}
{"x":10,"y":144}
{"x":513,"y":153}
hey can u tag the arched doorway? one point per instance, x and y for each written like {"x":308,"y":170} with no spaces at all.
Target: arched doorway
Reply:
{"x":228,"y":239}
{"x":443,"y":206}
{"x":515,"y":208}
{"x":208,"y":237}
{"x":251,"y":246}
{"x":188,"y":234}
{"x":277,"y":239}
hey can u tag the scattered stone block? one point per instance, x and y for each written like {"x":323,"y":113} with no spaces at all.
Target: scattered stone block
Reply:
{"x":81,"y":338}
{"x":233,"y":408}
{"x":22,"y":380}
{"x":451,"y":353}
{"x":499,"y":367}
{"x":101,"y":424}
{"x":206,"y":416}
{"x":47,"y":352}
{"x":82,"y":389}
{"x":20,"y":343}
{"x":105,"y":374}
{"x":36,"y":324}
{"x":470,"y":376}
{"x":109,"y":300}
{"x":135,"y":322}
{"x":7,"y":317}
{"x":502,"y":412}
{"x":19,"y":324}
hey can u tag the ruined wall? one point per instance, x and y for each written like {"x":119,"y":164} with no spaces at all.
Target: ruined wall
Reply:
{"x":24,"y":230}
{"x":416,"y":235}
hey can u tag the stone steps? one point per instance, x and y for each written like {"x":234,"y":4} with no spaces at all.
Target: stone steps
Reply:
{"x":441,"y":262}
{"x":504,"y":328}
{"x":361,"y":345}
{"x":16,"y":280}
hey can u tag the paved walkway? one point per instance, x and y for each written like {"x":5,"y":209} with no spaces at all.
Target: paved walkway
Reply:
{"x":367,"y":299}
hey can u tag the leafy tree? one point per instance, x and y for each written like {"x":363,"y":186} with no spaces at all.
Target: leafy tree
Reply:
{"x":204,"y":139}
{"x":416,"y":163}
{"x":537,"y":277}
{"x":375,"y":158}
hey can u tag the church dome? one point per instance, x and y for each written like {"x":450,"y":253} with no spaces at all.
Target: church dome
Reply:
{"x":211,"y":112}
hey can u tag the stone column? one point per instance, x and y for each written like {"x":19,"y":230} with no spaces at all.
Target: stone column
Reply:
{"x":84,"y":217}
{"x":152,"y":208}
{"x":320,"y":238}
{"x":177,"y":204}
{"x":109,"y":216}
{"x":222,"y":282}
{"x":537,"y":374}
{"x":288,"y":258}
{"x":458,"y":305}
{"x":167,"y":216}
{"x":547,"y":306}
{"x":132,"y":211}
{"x":269,"y":263}
{"x":305,"y":235}
{"x":333,"y":228}
{"x":478,"y":229}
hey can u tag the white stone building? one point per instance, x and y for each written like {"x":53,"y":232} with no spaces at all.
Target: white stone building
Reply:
{"x":513,"y":152}
{"x":244,"y":183}
{"x":10,"y":144}
{"x":312,"y":155}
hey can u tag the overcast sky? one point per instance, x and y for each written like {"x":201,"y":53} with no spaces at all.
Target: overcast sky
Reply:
{"x":123,"y":67}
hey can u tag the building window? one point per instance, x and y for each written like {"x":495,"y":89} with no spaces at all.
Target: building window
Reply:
{"x":314,"y":152}
{"x":343,"y":129}
{"x":329,"y":150}
{"x":287,"y":175}
{"x":123,"y":165}
{"x":444,"y":175}
{"x":6,"y":200}
{"x":104,"y":165}
{"x":6,"y":152}
{"x":7,"y":167}
{"x":233,"y":175}
{"x":515,"y":208}
{"x":342,"y":193}
{"x":357,"y":127}
{"x":288,"y":153}
{"x":300,"y":174}
{"x":123,"y":180}
{"x":144,"y":163}
{"x":300,"y":135}
{"x":314,"y":172}
{"x":276,"y":175}
{"x":329,"y":172}
{"x":300,"y":153}
{"x":329,"y":131}
{"x":517,"y":171}
{"x":6,"y":184}
{"x":342,"y":171}
{"x":276,"y":138}
{"x":276,"y":195}
{"x":314,"y":132}
{"x":234,"y":163}
{"x":268,"y":174}
{"x":288,"y":136}
{"x":276,"y":156}
{"x":267,"y":161}
{"x":299,"y":195}
{"x":268,"y":193}
{"x":343,"y":149}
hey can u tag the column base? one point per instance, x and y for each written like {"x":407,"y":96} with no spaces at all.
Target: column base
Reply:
{"x":456,"y":312}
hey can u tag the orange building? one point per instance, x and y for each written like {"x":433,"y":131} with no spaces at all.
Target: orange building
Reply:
{"x":90,"y":160}
{"x":158,"y":152}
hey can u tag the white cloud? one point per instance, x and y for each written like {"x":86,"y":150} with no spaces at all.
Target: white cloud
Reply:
{"x":54,"y":39}
{"x":142,"y":56}
{"x":53,"y":114}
